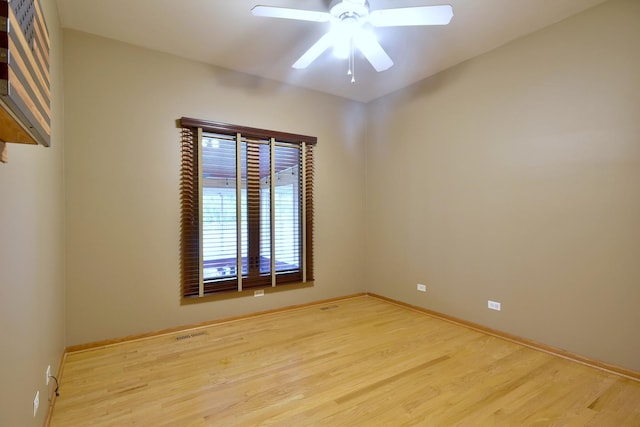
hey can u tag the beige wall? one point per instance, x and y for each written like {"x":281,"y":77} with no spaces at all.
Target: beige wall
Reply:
{"x":522,"y":166}
{"x":32,"y":259}
{"x":122,"y":167}
{"x":516,"y":177}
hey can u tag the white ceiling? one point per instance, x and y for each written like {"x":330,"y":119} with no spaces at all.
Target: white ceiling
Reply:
{"x":226,"y":34}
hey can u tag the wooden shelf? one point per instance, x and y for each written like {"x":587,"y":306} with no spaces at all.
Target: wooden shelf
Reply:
{"x":11,"y":130}
{"x":25,"y":114}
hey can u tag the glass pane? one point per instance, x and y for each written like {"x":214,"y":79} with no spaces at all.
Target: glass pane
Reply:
{"x":219,"y":209}
{"x":243,"y":202}
{"x":287,"y":209}
{"x":265,"y":210}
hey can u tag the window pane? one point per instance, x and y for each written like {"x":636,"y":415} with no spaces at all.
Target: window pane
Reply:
{"x":265,"y":210}
{"x":244,"y":208}
{"x":287,"y":209}
{"x":219,"y":209}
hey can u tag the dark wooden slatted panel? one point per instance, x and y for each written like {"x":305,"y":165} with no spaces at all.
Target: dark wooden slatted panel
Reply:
{"x":309,"y":174}
{"x":190,"y":213}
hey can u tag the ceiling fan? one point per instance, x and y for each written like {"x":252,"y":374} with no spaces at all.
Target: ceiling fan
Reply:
{"x":351,"y":21}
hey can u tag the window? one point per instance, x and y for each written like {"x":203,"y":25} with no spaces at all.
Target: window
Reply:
{"x":247,"y":208}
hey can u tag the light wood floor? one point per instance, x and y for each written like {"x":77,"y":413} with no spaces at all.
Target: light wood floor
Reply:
{"x":356,"y":362}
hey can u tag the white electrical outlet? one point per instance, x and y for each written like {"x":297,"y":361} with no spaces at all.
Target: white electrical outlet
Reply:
{"x":48,"y":373}
{"x":421,"y":287}
{"x":36,"y":403}
{"x":258,"y":293}
{"x":493,"y":305}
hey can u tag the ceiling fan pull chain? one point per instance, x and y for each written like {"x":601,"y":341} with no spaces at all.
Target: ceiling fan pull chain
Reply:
{"x":349,"y":71}
{"x":352,"y":62}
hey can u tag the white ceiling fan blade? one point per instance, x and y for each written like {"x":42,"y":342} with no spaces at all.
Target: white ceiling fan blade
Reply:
{"x":372,"y":50}
{"x":406,"y":16}
{"x":286,"y":13}
{"x":314,"y":51}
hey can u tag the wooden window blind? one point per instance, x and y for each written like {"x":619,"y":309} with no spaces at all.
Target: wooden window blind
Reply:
{"x":247,"y":208}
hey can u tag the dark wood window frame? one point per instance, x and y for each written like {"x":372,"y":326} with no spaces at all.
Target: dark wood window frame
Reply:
{"x":252,"y":265}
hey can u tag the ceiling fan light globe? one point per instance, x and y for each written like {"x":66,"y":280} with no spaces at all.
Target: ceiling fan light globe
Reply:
{"x":341,"y":49}
{"x":345,"y":28}
{"x":343,"y":31}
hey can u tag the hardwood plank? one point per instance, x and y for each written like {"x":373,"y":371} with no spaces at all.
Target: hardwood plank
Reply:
{"x":388,"y":380}
{"x":634,"y":375}
{"x":360,"y":361}
{"x":178,"y":329}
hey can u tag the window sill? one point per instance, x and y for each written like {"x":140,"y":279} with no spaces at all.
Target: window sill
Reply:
{"x":245,"y":293}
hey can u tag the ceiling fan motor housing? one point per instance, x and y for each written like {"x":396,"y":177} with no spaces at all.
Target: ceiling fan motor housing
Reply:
{"x":349,"y":9}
